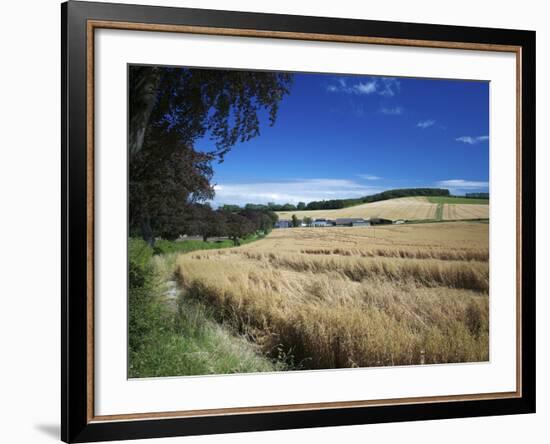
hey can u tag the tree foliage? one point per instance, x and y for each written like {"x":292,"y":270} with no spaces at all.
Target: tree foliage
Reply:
{"x":193,"y":102}
{"x":477,"y":195}
{"x":243,"y":222}
{"x":334,"y":204}
{"x":165,"y":180}
{"x":169,"y":110}
{"x":207,"y":223}
{"x":296,"y":222}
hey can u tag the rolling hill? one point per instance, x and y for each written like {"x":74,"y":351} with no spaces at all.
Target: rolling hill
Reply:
{"x":407,"y":208}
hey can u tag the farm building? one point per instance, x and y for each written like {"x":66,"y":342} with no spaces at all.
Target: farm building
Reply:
{"x":351,"y":222}
{"x":320,"y":223}
{"x":283,"y":223}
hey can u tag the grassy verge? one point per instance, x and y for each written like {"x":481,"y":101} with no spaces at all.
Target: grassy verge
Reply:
{"x":456,"y":200}
{"x":185,"y":341}
{"x":186,"y":246}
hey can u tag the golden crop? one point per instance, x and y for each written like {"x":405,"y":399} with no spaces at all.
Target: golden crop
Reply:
{"x":353,"y":297}
{"x":409,"y":208}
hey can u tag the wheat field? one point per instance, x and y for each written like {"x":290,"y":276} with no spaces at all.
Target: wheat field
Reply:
{"x":407,"y":208}
{"x":353,"y":297}
{"x":458,"y":211}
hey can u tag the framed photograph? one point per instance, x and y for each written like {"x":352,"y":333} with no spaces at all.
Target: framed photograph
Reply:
{"x":276,"y":221}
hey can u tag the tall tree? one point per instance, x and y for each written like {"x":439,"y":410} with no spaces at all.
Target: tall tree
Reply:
{"x":238,"y":227}
{"x":207,"y":222}
{"x":169,"y":109}
{"x":193,"y":102}
{"x":165,"y":180}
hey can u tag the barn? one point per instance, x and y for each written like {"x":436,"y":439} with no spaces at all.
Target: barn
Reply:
{"x":283,"y":223}
{"x":351,"y":222}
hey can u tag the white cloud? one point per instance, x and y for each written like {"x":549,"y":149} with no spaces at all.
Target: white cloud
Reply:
{"x":466,"y":139}
{"x":425,"y":123}
{"x":395,"y":110}
{"x":472,"y":140}
{"x":383,"y":86}
{"x":368,"y":177}
{"x":390,"y":86}
{"x":365,"y":88}
{"x":358,"y":88}
{"x":292,"y":191}
{"x":457,"y":186}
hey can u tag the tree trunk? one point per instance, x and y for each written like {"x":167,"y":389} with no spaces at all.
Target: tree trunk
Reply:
{"x":147,"y":231}
{"x":143,"y":96}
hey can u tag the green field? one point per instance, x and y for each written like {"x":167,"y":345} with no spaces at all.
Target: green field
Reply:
{"x":456,"y":200}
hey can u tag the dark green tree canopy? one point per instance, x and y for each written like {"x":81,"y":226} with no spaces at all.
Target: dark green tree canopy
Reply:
{"x":165,"y":180}
{"x":192,"y":102}
{"x":169,"y":109}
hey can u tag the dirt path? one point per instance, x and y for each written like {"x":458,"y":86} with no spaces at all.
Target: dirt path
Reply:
{"x":171,"y":294}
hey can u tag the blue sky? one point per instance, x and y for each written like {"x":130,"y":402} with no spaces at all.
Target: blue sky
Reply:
{"x":342,"y":136}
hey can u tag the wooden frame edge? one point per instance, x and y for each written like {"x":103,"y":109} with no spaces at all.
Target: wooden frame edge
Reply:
{"x":336,"y":38}
{"x":285,"y":408}
{"x":92,"y":24}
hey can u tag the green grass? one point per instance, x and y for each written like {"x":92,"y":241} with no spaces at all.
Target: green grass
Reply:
{"x":456,"y":200}
{"x":184,"y":341}
{"x":185,"y":246}
{"x":192,"y":343}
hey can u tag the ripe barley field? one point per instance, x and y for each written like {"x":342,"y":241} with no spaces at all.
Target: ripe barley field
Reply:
{"x":407,"y":208}
{"x":458,"y":211}
{"x":352,"y":297}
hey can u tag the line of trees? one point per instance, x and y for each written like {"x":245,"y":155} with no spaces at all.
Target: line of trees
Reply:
{"x":297,"y":222}
{"x":208,"y":223}
{"x":201,"y":220}
{"x":477,"y":195}
{"x":335,"y":204}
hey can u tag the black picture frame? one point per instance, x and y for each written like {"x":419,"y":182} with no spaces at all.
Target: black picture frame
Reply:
{"x":76,"y":424}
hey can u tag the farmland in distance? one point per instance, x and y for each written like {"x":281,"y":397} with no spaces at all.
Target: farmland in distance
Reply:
{"x":406,"y":208}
